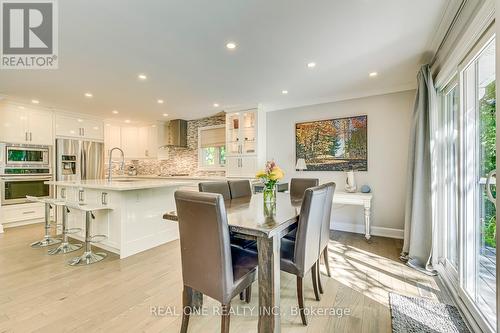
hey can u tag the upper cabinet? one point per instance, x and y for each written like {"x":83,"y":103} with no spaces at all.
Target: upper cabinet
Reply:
{"x":137,"y":142}
{"x":245,"y":142}
{"x":72,"y":126}
{"x":21,"y":124}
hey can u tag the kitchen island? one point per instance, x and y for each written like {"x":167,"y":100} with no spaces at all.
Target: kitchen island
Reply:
{"x":134,"y":222}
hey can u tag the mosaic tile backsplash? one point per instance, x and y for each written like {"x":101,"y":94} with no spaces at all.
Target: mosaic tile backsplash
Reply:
{"x":179,"y":160}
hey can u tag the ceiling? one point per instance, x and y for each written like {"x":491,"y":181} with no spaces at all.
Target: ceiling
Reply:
{"x":181,"y":46}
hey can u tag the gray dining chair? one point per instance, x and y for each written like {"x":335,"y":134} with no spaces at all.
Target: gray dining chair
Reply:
{"x":325,"y":234}
{"x":297,"y":188}
{"x":210,"y":265}
{"x":302,"y":255}
{"x":240,"y":188}
{"x":223,"y":187}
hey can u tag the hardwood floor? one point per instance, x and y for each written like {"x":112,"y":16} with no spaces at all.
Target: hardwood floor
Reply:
{"x":40,"y":293}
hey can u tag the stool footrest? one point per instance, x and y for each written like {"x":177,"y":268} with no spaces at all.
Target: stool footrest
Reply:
{"x":98,"y":238}
{"x":73,"y":230}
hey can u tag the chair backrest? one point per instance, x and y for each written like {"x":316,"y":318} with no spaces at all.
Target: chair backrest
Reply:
{"x":216,"y":187}
{"x":299,"y":185}
{"x":325,"y":227}
{"x":205,"y":245}
{"x":240,"y":188}
{"x":310,"y":226}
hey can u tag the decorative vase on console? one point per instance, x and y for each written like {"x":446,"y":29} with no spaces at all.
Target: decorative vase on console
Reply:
{"x":269,"y":177}
{"x":350,"y":182}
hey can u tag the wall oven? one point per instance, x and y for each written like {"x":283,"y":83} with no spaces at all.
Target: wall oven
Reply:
{"x":16,"y":188}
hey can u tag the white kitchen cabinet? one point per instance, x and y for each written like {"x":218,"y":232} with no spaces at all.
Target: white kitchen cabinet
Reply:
{"x":245,"y":142}
{"x":72,"y":126}
{"x":20,"y":124}
{"x":137,"y":142}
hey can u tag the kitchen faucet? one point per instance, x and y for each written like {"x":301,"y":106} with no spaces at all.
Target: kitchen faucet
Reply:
{"x":110,"y":165}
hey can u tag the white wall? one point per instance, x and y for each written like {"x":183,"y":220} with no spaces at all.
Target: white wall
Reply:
{"x":388,"y":136}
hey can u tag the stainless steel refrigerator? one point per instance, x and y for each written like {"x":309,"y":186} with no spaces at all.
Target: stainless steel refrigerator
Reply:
{"x":79,"y":159}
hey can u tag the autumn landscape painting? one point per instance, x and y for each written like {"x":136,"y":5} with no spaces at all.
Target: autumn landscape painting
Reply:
{"x":333,"y":145}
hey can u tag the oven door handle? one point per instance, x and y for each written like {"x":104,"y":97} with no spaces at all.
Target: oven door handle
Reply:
{"x":25,"y":178}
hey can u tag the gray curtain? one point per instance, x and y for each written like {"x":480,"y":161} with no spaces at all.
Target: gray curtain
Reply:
{"x":418,"y":233}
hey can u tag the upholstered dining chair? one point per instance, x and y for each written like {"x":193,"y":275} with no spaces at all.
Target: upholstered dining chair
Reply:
{"x":216,"y":187}
{"x":210,"y":264}
{"x":325,"y":234}
{"x":239,"y":188}
{"x":302,"y":255}
{"x":223,"y":187}
{"x":297,"y":188}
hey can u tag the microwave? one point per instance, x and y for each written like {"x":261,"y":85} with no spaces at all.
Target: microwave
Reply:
{"x":20,"y":155}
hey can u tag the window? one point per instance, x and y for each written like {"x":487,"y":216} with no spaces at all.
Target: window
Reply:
{"x":211,"y":148}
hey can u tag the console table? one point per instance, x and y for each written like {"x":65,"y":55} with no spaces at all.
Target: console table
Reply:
{"x":358,"y":199}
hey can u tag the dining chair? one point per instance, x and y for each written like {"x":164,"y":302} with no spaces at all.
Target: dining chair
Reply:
{"x":325,"y":234}
{"x":216,"y":187}
{"x":240,"y":188}
{"x":302,"y":255}
{"x":210,"y":265}
{"x":223,"y":187}
{"x":297,"y":188}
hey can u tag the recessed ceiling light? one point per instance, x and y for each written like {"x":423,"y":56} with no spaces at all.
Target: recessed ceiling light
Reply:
{"x":311,"y":65}
{"x":88,"y":95}
{"x":284,"y":92}
{"x":231,"y":45}
{"x":108,"y":125}
{"x":216,"y":105}
{"x":115,"y":112}
{"x":127,"y":121}
{"x":160,"y":101}
{"x":153,"y":125}
{"x":165,"y":115}
{"x":35,"y":101}
{"x":21,"y":107}
{"x":373,"y":74}
{"x":142,"y":77}
{"x":80,"y":120}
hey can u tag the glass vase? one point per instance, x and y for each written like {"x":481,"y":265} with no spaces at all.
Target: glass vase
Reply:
{"x":270,"y":194}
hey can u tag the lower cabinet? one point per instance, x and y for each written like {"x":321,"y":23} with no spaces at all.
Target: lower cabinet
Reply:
{"x":21,"y":214}
{"x":241,"y":166}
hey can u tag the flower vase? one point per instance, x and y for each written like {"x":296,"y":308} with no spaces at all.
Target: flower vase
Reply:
{"x":270,"y":194}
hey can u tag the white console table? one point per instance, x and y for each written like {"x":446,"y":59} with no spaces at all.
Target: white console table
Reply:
{"x":358,"y":199}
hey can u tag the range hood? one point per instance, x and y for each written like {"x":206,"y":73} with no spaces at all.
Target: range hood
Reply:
{"x":174,"y":134}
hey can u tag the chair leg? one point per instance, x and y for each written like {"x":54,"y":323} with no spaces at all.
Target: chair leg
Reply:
{"x":186,"y":308}
{"x":248,"y":294}
{"x":315,"y":281}
{"x":300,"y":298}
{"x":327,"y":263}
{"x":320,"y":286}
{"x":224,"y":327}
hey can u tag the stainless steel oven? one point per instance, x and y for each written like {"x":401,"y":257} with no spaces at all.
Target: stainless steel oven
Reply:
{"x":20,"y":155}
{"x":16,"y":188}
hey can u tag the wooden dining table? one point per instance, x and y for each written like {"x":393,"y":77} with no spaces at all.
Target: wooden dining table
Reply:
{"x":251,"y":218}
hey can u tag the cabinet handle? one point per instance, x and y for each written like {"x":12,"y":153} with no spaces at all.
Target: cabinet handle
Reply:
{"x":63,"y":193}
{"x":83,"y":131}
{"x":29,"y":212}
{"x":80,"y":195}
{"x":31,"y":136}
{"x":25,"y":136}
{"x":104,"y":198}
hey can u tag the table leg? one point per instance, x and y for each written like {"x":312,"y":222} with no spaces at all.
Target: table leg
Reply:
{"x":269,"y":284}
{"x":367,"y":221}
{"x":197,"y":300}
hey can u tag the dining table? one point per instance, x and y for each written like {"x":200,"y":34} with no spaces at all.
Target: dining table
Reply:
{"x":265,"y":222}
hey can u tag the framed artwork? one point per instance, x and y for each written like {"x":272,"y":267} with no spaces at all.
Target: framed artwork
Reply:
{"x":333,"y":145}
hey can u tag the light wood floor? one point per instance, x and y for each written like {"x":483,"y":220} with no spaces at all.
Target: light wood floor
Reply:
{"x":40,"y":293}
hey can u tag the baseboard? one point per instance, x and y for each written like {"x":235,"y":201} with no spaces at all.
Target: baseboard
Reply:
{"x":374,"y":230}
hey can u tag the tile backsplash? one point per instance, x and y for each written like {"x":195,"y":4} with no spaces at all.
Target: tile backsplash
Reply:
{"x":180,"y":160}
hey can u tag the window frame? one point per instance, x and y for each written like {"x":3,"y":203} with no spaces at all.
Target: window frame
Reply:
{"x":201,"y":166}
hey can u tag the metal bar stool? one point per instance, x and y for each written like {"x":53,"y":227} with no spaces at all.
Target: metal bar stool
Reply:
{"x":89,"y":257}
{"x":65,"y":246}
{"x":47,"y":239}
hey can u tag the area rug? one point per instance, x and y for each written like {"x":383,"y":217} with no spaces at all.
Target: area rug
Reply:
{"x":411,"y":315}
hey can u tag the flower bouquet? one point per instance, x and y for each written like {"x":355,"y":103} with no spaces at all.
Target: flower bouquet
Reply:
{"x":269,"y":177}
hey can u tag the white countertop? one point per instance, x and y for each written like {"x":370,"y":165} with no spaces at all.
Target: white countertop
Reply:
{"x":123,"y":184}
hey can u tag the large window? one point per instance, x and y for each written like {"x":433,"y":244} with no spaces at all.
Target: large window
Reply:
{"x":211,"y":148}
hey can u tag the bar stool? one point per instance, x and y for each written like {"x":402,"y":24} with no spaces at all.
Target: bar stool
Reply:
{"x":65,"y":246}
{"x":47,"y":239}
{"x":88,"y":257}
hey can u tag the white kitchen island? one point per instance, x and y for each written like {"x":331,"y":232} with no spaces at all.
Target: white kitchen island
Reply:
{"x":134,"y":223}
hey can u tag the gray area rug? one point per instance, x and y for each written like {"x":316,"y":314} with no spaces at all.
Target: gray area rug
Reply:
{"x":411,"y":315}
